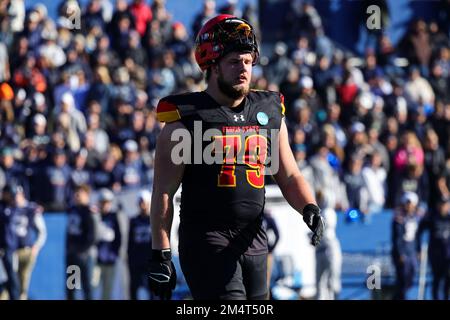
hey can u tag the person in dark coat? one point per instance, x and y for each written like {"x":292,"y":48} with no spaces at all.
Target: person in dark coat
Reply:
{"x":80,"y":244}
{"x":110,"y":240}
{"x":404,"y":229}
{"x":139,"y":244}
{"x":438,"y":224}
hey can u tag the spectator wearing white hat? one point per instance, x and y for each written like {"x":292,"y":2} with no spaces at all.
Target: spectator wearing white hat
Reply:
{"x":109,"y":242}
{"x":304,"y":120}
{"x":131,"y":171}
{"x":357,"y":142}
{"x":309,"y":94}
{"x":40,"y":103}
{"x":40,"y":136}
{"x":363,"y":107}
{"x":77,"y":122}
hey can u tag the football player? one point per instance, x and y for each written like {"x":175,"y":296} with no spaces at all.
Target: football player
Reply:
{"x":222,"y":244}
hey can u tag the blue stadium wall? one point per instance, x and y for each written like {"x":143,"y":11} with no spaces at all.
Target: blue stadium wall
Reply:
{"x":48,"y":278}
{"x":361,"y":245}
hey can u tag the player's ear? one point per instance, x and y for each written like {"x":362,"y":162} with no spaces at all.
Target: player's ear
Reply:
{"x":215,"y":69}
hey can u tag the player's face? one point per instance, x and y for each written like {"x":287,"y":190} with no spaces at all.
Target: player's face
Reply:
{"x":234,"y":74}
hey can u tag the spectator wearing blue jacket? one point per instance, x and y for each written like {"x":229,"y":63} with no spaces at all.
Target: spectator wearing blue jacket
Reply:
{"x":11,"y":170}
{"x":404,"y":243}
{"x":80,"y":243}
{"x":57,"y":177}
{"x":132,"y":170}
{"x":8,"y":243}
{"x":80,"y":174}
{"x":29,"y":227}
{"x":107,"y":174}
{"x":109,"y":242}
{"x":139,"y":245}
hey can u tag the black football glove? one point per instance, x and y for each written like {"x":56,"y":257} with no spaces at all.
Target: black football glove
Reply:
{"x":314,"y":221}
{"x":162,"y":274}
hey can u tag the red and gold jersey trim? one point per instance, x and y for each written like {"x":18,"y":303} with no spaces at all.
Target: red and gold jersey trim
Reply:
{"x":167,"y":112}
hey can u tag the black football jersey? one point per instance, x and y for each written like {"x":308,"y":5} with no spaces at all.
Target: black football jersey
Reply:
{"x":228,"y":193}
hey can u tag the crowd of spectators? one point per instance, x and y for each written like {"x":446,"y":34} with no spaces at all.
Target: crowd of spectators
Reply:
{"x":78,"y":104}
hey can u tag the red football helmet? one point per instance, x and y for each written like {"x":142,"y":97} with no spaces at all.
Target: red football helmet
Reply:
{"x":221,"y":35}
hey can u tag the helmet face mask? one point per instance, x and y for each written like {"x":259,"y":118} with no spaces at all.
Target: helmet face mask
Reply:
{"x":222,"y":35}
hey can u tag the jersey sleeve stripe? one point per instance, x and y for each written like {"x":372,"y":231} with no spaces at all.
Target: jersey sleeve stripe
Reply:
{"x":164,"y":106}
{"x":168,"y":116}
{"x":167,"y":112}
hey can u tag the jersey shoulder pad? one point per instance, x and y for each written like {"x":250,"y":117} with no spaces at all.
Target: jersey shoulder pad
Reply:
{"x":176,"y":107}
{"x":276,"y":98}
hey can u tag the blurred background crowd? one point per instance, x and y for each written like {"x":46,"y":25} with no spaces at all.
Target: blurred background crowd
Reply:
{"x":78,"y":97}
